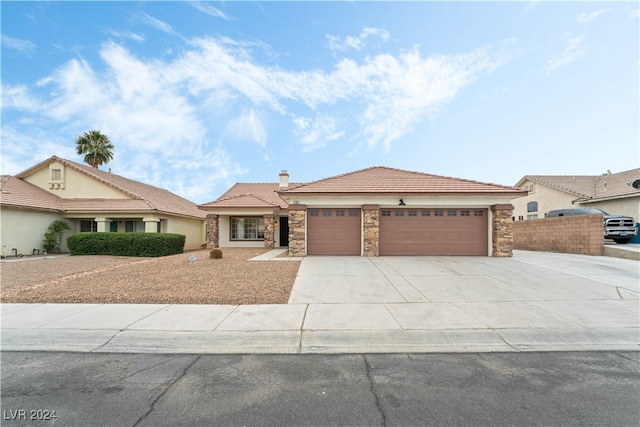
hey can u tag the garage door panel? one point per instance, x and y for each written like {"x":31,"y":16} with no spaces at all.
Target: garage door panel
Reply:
{"x":333,"y":232}
{"x":433,"y":232}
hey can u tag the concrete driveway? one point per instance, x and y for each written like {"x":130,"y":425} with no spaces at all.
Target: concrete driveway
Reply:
{"x":534,"y":300}
{"x":528,"y":276}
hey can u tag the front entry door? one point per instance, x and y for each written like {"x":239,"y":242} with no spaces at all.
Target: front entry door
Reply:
{"x":284,"y":231}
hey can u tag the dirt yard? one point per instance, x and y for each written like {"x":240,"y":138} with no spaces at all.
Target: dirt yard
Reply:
{"x":165,"y":280}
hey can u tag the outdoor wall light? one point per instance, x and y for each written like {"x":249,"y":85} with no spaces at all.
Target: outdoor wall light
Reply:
{"x":402,"y":203}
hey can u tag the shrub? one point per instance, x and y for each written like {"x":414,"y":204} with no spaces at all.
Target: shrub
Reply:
{"x":215,"y":253}
{"x":126,"y":244}
{"x":53,"y":236}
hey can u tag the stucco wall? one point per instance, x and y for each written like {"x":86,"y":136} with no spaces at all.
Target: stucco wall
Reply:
{"x":580,"y":234}
{"x":24,"y":230}
{"x":547,"y":198}
{"x":628,"y":207}
{"x":74,"y":184}
{"x":193,"y":229}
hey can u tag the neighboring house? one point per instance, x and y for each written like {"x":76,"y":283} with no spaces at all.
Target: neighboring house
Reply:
{"x":89,"y":199}
{"x":370,"y":212}
{"x":614,"y":193}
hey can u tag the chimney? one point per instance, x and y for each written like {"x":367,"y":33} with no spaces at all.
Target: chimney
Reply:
{"x":284,"y":179}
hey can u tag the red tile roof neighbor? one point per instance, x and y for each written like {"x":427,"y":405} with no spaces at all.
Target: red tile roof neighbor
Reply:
{"x":249,"y":196}
{"x":18,"y":193}
{"x":591,"y":187}
{"x":144,"y":197}
{"x":381,"y":179}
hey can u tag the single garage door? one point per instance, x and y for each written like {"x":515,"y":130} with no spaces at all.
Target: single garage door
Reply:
{"x":441,"y":231}
{"x":333,"y":231}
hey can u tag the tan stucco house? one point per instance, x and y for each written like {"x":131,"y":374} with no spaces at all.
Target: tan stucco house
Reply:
{"x":614,"y":193}
{"x":89,"y":199}
{"x":369,"y":212}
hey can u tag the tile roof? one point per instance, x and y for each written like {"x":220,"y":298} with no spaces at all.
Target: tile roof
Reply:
{"x":144,"y":197}
{"x":255,"y":195}
{"x":19,"y":193}
{"x":380,"y":179}
{"x":591,"y":187}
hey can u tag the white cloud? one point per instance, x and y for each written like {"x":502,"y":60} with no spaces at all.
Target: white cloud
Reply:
{"x":209,"y":10}
{"x":18,"y":98}
{"x":127,"y":35}
{"x":356,"y":42}
{"x":571,"y":52}
{"x":24,"y":46}
{"x":315,"y":133}
{"x":157,"y":24}
{"x":585,"y":17}
{"x":168,"y":114}
{"x":249,"y":127}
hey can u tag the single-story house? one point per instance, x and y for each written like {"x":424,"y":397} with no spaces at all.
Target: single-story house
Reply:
{"x":614,"y":193}
{"x":89,"y":199}
{"x":369,"y":212}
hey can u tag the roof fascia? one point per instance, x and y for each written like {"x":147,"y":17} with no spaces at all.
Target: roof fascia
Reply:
{"x":413,"y":193}
{"x":603,"y":199}
{"x":31,"y":208}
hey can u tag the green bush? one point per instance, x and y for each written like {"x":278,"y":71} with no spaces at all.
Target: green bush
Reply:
{"x":215,"y":253}
{"x":126,"y":244}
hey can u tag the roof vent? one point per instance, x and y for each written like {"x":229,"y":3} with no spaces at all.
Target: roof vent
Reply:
{"x":636,"y":184}
{"x":284,"y":179}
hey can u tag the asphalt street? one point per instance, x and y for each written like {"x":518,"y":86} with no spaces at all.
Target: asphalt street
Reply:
{"x":473,"y":389}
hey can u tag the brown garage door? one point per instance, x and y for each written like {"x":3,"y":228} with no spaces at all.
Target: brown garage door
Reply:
{"x":333,"y":231}
{"x":439,"y":231}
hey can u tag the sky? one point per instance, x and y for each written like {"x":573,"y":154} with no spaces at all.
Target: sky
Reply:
{"x":196,"y":96}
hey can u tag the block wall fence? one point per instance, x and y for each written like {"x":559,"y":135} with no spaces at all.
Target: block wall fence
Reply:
{"x":580,"y":234}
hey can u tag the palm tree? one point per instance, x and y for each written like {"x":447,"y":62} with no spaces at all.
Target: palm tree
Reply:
{"x":96,"y":147}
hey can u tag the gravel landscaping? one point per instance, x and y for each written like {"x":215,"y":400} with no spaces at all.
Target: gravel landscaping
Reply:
{"x":165,"y":280}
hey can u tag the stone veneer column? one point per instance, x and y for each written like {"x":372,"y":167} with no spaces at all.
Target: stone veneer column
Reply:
{"x":371,"y":230}
{"x":502,"y":236}
{"x":297,"y":243}
{"x":213,"y":231}
{"x":269,"y":226}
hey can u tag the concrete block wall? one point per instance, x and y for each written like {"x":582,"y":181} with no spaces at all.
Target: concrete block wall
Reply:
{"x":580,"y":234}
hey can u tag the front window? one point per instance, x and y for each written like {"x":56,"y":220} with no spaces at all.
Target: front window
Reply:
{"x":247,"y":228}
{"x":134,"y":226}
{"x":532,"y":207}
{"x":88,"y":226}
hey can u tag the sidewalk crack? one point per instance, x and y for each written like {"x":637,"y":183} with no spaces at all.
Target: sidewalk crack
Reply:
{"x":179,"y":377}
{"x":304,"y":318}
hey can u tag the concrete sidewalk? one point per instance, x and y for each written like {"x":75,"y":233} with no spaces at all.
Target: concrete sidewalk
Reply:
{"x":532,"y":302}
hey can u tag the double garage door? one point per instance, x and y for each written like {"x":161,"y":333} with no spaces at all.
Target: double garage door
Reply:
{"x":451,"y":231}
{"x":441,"y":231}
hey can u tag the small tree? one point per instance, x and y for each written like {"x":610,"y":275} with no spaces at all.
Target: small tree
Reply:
{"x":53,"y":236}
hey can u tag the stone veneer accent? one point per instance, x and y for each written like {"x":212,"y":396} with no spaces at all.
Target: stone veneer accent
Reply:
{"x":371,"y":230}
{"x":213,"y":230}
{"x":297,"y":216}
{"x":269,"y":227}
{"x":502,"y":238}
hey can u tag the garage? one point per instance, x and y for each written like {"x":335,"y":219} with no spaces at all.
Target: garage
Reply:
{"x":441,"y":231}
{"x":333,"y":231}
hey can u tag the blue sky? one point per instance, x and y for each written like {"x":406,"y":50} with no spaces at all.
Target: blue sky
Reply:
{"x":196,"y":96}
